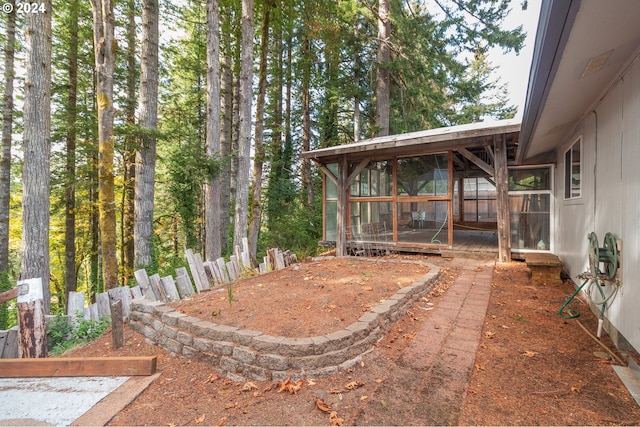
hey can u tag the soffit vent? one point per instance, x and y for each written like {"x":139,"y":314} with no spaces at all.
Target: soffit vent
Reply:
{"x":596,"y":63}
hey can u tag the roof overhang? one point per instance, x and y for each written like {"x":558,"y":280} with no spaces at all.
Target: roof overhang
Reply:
{"x":581,"y":49}
{"x":422,"y":142}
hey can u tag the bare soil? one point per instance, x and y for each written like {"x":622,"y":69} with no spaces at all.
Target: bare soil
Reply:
{"x":532,"y":368}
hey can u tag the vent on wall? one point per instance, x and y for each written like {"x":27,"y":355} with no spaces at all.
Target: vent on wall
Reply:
{"x":596,"y":63}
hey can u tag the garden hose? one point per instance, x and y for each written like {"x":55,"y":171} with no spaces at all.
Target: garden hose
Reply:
{"x":572,"y":313}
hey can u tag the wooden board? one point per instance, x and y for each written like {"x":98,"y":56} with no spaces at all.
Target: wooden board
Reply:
{"x":78,"y":367}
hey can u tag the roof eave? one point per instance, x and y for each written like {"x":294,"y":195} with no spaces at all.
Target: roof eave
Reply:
{"x":554,"y":26}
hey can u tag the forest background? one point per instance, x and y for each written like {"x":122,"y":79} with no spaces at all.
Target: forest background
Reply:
{"x":133,"y":129}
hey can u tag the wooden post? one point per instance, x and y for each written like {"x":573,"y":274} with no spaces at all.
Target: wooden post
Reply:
{"x":341,"y":225}
{"x":502,"y":198}
{"x":32,"y":340}
{"x":117,"y":324}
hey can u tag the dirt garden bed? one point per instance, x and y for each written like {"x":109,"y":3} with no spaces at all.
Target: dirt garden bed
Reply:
{"x":532,"y":367}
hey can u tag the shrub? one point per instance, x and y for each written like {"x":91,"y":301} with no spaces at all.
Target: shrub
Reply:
{"x":64,"y":334}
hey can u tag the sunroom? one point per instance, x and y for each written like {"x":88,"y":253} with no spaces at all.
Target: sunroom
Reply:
{"x":446,"y":191}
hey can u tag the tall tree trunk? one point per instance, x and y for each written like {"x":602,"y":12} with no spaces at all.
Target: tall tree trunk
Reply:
{"x":146,"y":156}
{"x":36,"y":147}
{"x":226,"y":137}
{"x":5,"y":153}
{"x":244,"y":136}
{"x":213,"y":196}
{"x":104,"y":45}
{"x":307,"y":182}
{"x":95,"y":278}
{"x":128,"y":192}
{"x":70,"y":276}
{"x":256,"y":199}
{"x":382,"y":76}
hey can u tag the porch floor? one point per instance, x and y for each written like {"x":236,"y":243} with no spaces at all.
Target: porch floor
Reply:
{"x":466,"y":243}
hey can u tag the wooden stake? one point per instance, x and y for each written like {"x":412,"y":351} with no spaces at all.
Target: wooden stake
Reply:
{"x":117,"y":324}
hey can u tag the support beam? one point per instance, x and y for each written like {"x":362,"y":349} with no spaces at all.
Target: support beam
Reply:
{"x":489,"y":151}
{"x":477,"y":160}
{"x":363,"y":164}
{"x":327,"y":172}
{"x":502,"y":198}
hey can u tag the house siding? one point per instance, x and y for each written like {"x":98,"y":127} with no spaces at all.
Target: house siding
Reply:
{"x":610,"y":197}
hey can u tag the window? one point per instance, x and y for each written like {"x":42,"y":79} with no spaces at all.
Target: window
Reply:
{"x":572,"y":171}
{"x":530,"y":207}
{"x":423,"y":176}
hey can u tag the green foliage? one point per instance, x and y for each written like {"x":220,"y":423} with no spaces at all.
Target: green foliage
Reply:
{"x":8,"y":313}
{"x":63,"y":334}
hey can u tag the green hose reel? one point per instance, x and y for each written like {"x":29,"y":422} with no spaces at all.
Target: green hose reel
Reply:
{"x":607,"y":255}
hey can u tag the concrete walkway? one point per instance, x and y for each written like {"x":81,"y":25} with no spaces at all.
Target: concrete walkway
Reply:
{"x":429,"y":382}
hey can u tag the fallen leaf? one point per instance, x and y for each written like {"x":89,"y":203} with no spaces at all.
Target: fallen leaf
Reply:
{"x":364,"y":397}
{"x":575,"y":390}
{"x":353,"y":385}
{"x":212,"y":378}
{"x":201,"y":418}
{"x":528,"y":353}
{"x":378,"y":381}
{"x":489,"y":334}
{"x":334,"y":420}
{"x":230,"y":405}
{"x":367,"y":288}
{"x":320,"y":404}
{"x":222,"y":421}
{"x":311,"y":381}
{"x":290,"y":386}
{"x":409,"y":336}
{"x":384,"y":404}
{"x":479,"y":367}
{"x":248,"y":386}
{"x":504,"y":327}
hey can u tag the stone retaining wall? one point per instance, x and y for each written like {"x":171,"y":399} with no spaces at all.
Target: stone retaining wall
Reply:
{"x":243,"y":353}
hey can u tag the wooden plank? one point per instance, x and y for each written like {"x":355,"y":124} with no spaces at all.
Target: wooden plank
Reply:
{"x":188,"y":253}
{"x":78,"y":367}
{"x":142,"y":279}
{"x":93,"y":312}
{"x":75,"y":304}
{"x":210,"y":272}
{"x":32,"y":333}
{"x":223,"y":269}
{"x":170,"y":289}
{"x":10,"y":349}
{"x":231,"y":269}
{"x":13,"y":293}
{"x":185,"y":287}
{"x":246,"y":259}
{"x":237,"y":257}
{"x":3,"y":340}
{"x":136,"y":292}
{"x":103,"y":305}
{"x":154,"y":281}
{"x":197,"y":260}
{"x":121,"y":293}
{"x":279,"y":259}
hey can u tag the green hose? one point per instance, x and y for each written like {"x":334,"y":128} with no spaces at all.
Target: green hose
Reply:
{"x":572,"y":313}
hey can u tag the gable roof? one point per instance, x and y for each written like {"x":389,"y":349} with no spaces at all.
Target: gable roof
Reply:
{"x":432,"y":140}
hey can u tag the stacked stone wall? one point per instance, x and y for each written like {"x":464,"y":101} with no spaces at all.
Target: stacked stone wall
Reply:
{"x":241,"y":353}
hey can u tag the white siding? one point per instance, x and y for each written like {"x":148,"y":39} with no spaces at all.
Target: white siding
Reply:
{"x":610,"y":199}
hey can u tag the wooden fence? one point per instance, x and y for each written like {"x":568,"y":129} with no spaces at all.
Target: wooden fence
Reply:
{"x":204,"y":275}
